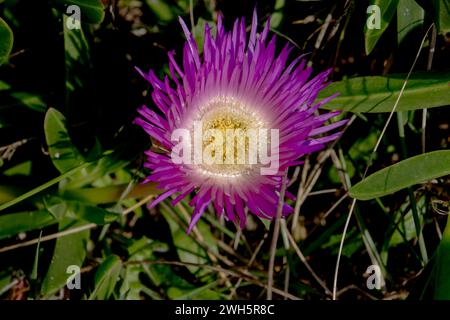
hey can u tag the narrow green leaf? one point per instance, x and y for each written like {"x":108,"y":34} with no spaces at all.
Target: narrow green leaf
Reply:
{"x":69,"y":251}
{"x":442,"y":267}
{"x":23,"y":169}
{"x":379,"y":94}
{"x":30,"y":100}
{"x":109,"y":194}
{"x":387,"y":11}
{"x":403,"y":174}
{"x":34,"y":272}
{"x":91,"y":11}
{"x":106,"y":278}
{"x":62,"y":152}
{"x":6,"y":41}
{"x":409,"y":17}
{"x":42,"y":187}
{"x":14,"y":223}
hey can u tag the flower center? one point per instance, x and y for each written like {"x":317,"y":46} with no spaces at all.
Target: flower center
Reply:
{"x":230,"y":138}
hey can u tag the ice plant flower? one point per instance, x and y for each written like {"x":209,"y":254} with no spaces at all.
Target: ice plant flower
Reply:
{"x":238,"y":82}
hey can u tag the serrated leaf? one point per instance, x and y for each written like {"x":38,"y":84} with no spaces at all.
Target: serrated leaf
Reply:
{"x":106,"y":278}
{"x":379,"y":94}
{"x":69,"y":250}
{"x":6,"y":41}
{"x":63,"y":153}
{"x":387,"y":11}
{"x":403,"y":174}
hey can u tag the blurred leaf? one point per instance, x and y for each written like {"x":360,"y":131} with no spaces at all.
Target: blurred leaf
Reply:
{"x":23,"y":169}
{"x":201,"y":293}
{"x":92,"y":11}
{"x":442,"y":267}
{"x":14,"y":223}
{"x":353,"y":243}
{"x":62,"y":152}
{"x":403,"y":174}
{"x":363,"y":147}
{"x":378,"y":94}
{"x":162,"y":10}
{"x":78,"y":65}
{"x":199,"y":33}
{"x":409,"y":16}
{"x":110,"y":194}
{"x":61,"y":208}
{"x":69,"y":250}
{"x":4,"y":86}
{"x":106,"y":278}
{"x":333,"y":173}
{"x":6,"y":42}
{"x":387,"y":10}
{"x":277,"y":16}
{"x":442,"y":15}
{"x":30,"y":100}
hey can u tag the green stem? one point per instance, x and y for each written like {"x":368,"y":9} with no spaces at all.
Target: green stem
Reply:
{"x":412,"y":199}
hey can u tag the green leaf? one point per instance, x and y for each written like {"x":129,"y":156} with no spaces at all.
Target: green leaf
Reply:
{"x":30,"y":100}
{"x":96,"y":171}
{"x":23,"y":168}
{"x":379,"y":94}
{"x":4,"y":86}
{"x":6,"y":41}
{"x":69,"y":250}
{"x":106,"y":278}
{"x":62,"y":152}
{"x":187,"y":248}
{"x":442,"y":15}
{"x":401,"y":175}
{"x":442,"y":267}
{"x":387,"y":10}
{"x":201,"y":293}
{"x":34,"y":272}
{"x":409,"y":16}
{"x":406,"y":223}
{"x":14,"y":223}
{"x":78,"y":72}
{"x":161,"y":9}
{"x":92,"y":11}
{"x":110,"y":194}
{"x":38,"y":189}
{"x":61,"y":208}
